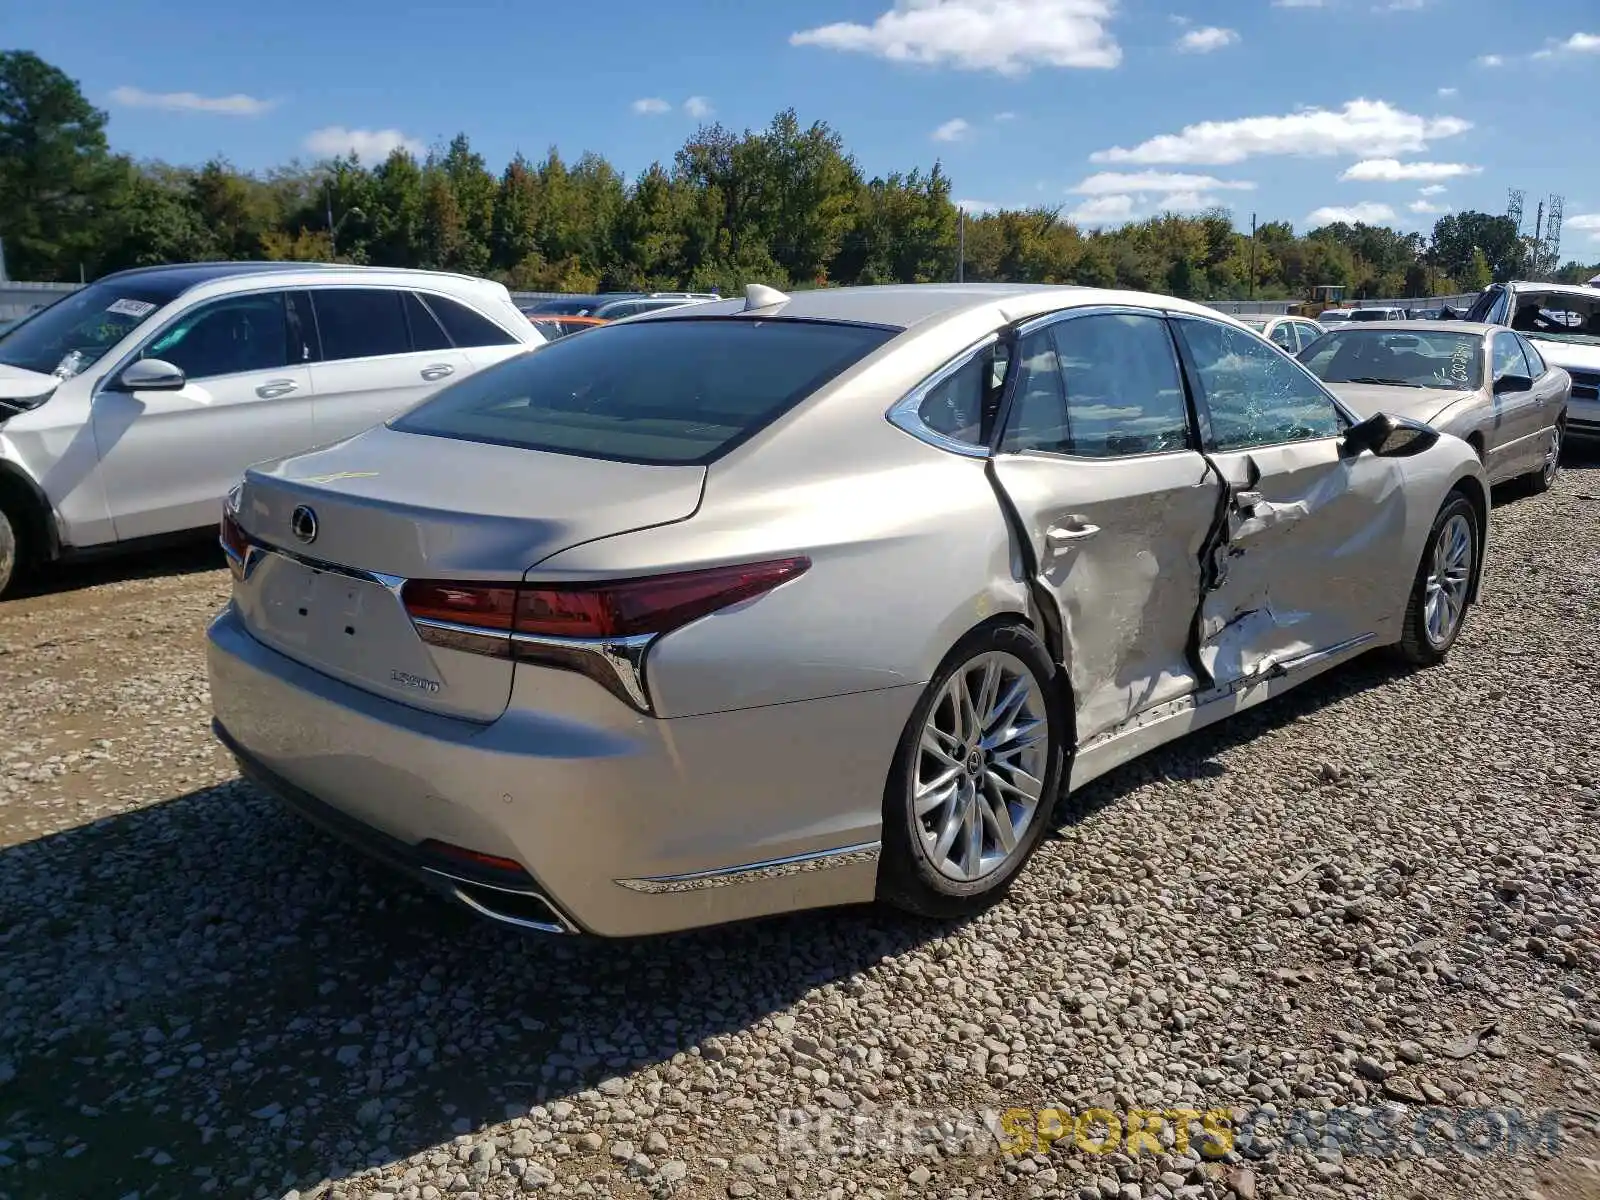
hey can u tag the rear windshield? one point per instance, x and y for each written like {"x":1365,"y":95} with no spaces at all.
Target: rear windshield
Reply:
{"x":662,"y":391}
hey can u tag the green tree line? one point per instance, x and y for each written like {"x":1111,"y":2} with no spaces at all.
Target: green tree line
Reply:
{"x":786,"y":205}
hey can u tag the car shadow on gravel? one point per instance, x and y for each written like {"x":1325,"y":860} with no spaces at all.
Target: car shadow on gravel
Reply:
{"x":208,"y":984}
{"x":186,"y":556}
{"x":1195,"y":756}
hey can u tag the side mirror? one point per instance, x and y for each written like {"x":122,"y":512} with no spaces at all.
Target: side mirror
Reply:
{"x":150,"y":375}
{"x":1390,"y":437}
{"x":1512,"y":383}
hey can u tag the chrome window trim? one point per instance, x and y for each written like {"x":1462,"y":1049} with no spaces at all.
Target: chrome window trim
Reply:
{"x":1060,"y":315}
{"x":903,"y":414}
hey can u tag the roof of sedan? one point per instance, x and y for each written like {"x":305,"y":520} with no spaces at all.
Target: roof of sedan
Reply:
{"x":906,"y":304}
{"x":1419,"y":326}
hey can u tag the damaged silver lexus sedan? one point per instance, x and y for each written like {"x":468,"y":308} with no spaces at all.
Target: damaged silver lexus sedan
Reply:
{"x":795,"y":601}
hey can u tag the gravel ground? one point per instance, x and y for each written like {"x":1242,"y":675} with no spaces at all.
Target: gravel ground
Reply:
{"x":1376,"y":896}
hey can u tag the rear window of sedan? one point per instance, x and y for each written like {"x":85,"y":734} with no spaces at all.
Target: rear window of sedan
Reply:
{"x":1398,"y":358}
{"x":666,"y":391}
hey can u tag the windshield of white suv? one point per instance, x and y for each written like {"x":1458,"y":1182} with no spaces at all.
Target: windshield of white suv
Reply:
{"x":77,"y":330}
{"x":1398,"y":358}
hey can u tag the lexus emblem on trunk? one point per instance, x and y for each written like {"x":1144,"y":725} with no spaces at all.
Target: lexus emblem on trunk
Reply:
{"x":304,"y":524}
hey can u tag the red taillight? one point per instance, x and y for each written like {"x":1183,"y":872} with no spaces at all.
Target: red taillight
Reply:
{"x":613,"y":609}
{"x":481,"y":605}
{"x":476,"y":857}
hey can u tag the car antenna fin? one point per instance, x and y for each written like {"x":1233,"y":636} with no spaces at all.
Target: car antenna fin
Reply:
{"x":759,"y":296}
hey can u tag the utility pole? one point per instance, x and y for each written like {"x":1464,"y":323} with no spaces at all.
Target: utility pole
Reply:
{"x":333,"y":250}
{"x":961,"y":245}
{"x":1252,"y":256}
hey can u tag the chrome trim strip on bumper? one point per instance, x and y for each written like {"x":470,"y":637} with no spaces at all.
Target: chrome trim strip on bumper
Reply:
{"x":772,"y":868}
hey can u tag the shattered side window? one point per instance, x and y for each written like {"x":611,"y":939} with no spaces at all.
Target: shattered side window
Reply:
{"x":1255,"y":396}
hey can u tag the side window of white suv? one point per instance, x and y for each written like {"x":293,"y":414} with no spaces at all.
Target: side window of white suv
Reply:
{"x":231,"y":336}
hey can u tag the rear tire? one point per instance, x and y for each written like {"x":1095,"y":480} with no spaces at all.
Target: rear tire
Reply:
{"x":1540,"y":480}
{"x":1438,"y":607}
{"x":975,"y":776}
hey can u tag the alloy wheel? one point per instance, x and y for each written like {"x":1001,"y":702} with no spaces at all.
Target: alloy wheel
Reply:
{"x":1552,"y":456}
{"x":1449,"y":579}
{"x":981,"y":766}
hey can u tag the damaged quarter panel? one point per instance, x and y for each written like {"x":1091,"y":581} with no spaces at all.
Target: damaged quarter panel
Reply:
{"x":1311,"y":537}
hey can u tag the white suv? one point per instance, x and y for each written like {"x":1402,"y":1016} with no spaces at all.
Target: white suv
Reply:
{"x":129,"y":408}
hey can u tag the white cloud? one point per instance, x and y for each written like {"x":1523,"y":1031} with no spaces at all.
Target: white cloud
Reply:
{"x":651,"y":106}
{"x":1586,"y":223}
{"x":1582,"y":43}
{"x":1392,"y":170}
{"x":1447,"y":92}
{"x":698,"y":107}
{"x":1400,"y":6}
{"x":1207,"y":39}
{"x":1188,"y":202}
{"x":369,"y":145}
{"x":1425,"y":208}
{"x":953,"y":130}
{"x":1367,"y":212}
{"x":1006,"y":36}
{"x":236,"y":105}
{"x":1433,"y":189}
{"x":1298,"y":3}
{"x":1103,"y":210}
{"x":1111,"y":182}
{"x":979,"y":207}
{"x":1490,"y":60}
{"x":1360,"y":127}
{"x":1005,"y":116}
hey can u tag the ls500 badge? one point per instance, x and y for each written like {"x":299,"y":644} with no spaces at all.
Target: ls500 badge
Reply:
{"x":405,"y":679}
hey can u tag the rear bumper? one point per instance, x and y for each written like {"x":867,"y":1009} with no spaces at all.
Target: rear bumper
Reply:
{"x":625,"y":824}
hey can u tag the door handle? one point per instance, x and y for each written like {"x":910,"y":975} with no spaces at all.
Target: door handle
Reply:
{"x":273,"y":388}
{"x":438,"y":371}
{"x":1058,"y":536}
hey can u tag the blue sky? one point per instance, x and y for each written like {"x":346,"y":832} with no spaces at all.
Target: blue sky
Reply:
{"x":1304,"y":110}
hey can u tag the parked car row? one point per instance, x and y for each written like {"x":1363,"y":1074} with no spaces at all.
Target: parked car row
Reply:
{"x":795,"y":601}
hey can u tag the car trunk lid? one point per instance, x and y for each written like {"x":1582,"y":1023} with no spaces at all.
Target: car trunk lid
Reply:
{"x":341,"y":529}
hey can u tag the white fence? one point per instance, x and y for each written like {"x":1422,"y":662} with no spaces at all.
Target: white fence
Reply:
{"x":1273,"y":308}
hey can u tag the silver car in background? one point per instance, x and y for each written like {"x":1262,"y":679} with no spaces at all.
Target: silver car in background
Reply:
{"x":799,"y":601}
{"x":1484,"y":384}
